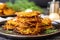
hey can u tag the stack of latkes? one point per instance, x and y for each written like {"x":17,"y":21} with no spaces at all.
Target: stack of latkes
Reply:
{"x":27,"y":23}
{"x":4,"y":10}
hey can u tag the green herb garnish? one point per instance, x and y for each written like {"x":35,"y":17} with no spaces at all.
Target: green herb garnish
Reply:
{"x":21,"y":5}
{"x":7,"y":31}
{"x":48,"y":31}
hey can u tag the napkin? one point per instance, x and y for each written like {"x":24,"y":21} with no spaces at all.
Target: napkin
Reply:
{"x":5,"y":19}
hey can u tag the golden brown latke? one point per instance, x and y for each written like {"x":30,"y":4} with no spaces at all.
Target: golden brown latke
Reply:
{"x":2,"y":5}
{"x":28,"y":23}
{"x":27,"y":14}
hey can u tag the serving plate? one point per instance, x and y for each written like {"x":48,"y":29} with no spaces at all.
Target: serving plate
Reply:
{"x":28,"y":36}
{"x":4,"y":16}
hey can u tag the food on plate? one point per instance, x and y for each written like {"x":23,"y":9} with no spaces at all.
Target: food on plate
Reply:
{"x":1,"y":11}
{"x":2,"y":5}
{"x":8,"y":11}
{"x":28,"y":23}
{"x":47,"y":23}
{"x":28,"y":14}
{"x":54,"y":16}
{"x":4,"y":10}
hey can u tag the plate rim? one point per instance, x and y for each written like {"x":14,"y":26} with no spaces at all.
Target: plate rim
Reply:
{"x":28,"y":36}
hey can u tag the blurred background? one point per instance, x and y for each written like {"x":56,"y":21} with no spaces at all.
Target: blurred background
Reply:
{"x":42,"y":3}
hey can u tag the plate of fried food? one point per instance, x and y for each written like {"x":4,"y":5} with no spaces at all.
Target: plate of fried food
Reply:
{"x":28,"y":24}
{"x":5,"y":11}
